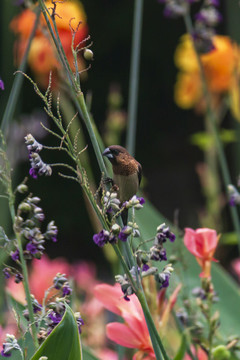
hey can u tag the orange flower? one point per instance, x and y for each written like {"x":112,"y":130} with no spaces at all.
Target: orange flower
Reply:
{"x":42,"y":58}
{"x":202,"y":243}
{"x":219,"y":65}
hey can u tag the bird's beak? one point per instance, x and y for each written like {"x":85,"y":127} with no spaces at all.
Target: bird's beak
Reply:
{"x":108,"y":154}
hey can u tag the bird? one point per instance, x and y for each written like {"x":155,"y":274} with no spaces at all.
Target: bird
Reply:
{"x":127,"y":173}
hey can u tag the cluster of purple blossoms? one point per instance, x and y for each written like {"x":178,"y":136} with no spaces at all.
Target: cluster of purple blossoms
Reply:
{"x":38,"y":167}
{"x":176,"y":8}
{"x":8,"y":272}
{"x":30,"y":215}
{"x":104,"y":237}
{"x":115,"y":233}
{"x":205,"y":20}
{"x":60,"y":282}
{"x":126,"y":286}
{"x":163,"y":277}
{"x":157,"y":251}
{"x":54,"y":319}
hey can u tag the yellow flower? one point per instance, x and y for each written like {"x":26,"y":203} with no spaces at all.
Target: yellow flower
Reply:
{"x":220,"y":67}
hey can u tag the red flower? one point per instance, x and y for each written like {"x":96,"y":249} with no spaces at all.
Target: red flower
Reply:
{"x":202,"y":243}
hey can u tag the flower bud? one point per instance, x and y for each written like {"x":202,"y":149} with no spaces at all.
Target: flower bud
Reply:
{"x":22,"y":188}
{"x":25,"y":207}
{"x":116,"y":229}
{"x":220,"y":352}
{"x":88,"y":55}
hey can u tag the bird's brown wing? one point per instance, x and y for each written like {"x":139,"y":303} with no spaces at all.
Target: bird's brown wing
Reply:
{"x":139,"y":173}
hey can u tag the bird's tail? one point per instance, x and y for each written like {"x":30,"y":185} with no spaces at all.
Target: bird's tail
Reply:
{"x":125,"y":216}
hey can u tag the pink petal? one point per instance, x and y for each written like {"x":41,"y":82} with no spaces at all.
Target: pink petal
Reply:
{"x":109,"y":296}
{"x":122,"y":335}
{"x":189,"y":242}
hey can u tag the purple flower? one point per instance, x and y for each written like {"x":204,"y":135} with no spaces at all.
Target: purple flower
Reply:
{"x":165,"y":283}
{"x":123,"y":235}
{"x":36,"y":307}
{"x":1,"y":84}
{"x":232,"y":200}
{"x":101,"y":238}
{"x":163,"y":255}
{"x":171,"y":236}
{"x":15,"y":255}
{"x":55,"y":317}
{"x":80,"y":323}
{"x":141,"y":200}
{"x":18,"y":278}
{"x":8,"y":354}
{"x":66,"y":290}
{"x":32,"y":248}
{"x":6,"y":273}
{"x":33,"y":173}
{"x":145,"y":267}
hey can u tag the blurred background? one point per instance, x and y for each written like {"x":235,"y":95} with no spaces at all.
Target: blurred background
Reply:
{"x":171,"y":162}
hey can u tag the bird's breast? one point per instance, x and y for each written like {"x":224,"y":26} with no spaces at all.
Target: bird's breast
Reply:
{"x":128,"y":185}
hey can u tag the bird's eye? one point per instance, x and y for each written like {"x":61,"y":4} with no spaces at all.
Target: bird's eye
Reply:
{"x":115,"y":152}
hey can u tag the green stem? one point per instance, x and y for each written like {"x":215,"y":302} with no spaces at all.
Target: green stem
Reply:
{"x":212,"y":118}
{"x":156,"y":340}
{"x":134,"y":76}
{"x":80,"y":102}
{"x":18,"y":80}
{"x":27,"y":291}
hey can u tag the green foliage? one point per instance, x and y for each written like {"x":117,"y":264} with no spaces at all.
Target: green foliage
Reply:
{"x":205,"y":141}
{"x":148,"y":219}
{"x":63,"y":343}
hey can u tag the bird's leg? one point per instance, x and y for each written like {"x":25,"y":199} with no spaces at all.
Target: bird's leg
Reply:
{"x":108,"y":180}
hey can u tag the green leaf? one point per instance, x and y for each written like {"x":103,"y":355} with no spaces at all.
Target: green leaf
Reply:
{"x":3,"y":236}
{"x":64,"y":342}
{"x":18,"y":309}
{"x":182,"y":350}
{"x":228,"y":290}
{"x":87,"y":354}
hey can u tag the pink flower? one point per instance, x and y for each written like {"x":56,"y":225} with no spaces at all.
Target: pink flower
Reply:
{"x":236,"y":267}
{"x":134,"y":332}
{"x":40,"y":279}
{"x":202,"y":243}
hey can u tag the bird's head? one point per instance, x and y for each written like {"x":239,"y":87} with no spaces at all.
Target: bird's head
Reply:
{"x":116,"y":154}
